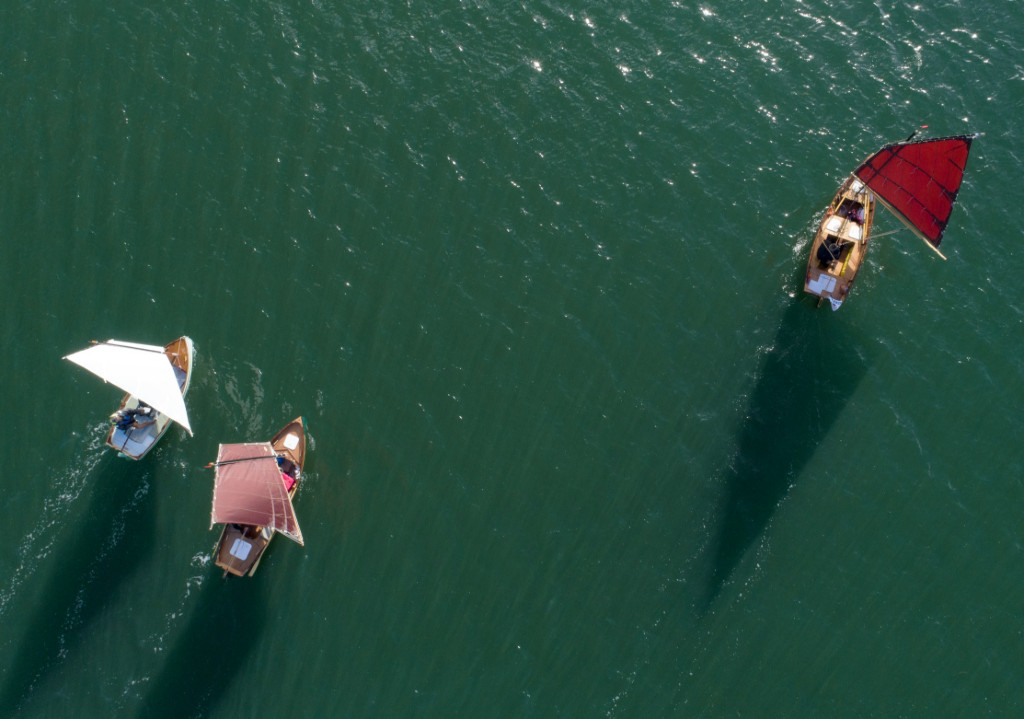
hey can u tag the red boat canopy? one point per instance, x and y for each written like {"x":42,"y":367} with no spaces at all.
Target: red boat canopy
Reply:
{"x":248,"y":489}
{"x":919,"y":180}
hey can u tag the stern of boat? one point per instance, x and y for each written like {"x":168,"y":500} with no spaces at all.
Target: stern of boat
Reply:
{"x":240,"y":548}
{"x":135,"y":443}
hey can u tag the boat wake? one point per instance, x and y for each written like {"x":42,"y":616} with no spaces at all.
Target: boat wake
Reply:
{"x":65,"y":489}
{"x":87,"y":549}
{"x":195,"y":669}
{"x":199,"y":563}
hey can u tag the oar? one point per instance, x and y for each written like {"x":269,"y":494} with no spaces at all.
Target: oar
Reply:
{"x":240,"y":459}
{"x":127,"y":436}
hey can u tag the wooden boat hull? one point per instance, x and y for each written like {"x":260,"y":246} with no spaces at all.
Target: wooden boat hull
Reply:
{"x":135,"y":443}
{"x":841,"y":243}
{"x":241,"y":547}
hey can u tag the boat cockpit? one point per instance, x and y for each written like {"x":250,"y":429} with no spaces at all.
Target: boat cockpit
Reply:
{"x":830,"y":250}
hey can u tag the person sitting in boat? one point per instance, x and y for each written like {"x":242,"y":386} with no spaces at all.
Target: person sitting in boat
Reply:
{"x":857,"y":214}
{"x":829,"y":251}
{"x":144,"y":416}
{"x":123,"y":418}
{"x":126,"y":419}
{"x":287,"y":466}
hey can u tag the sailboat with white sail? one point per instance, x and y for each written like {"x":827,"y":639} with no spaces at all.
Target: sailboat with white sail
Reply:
{"x":918,"y":181}
{"x":155,"y":379}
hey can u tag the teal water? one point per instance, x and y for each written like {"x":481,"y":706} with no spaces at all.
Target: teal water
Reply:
{"x":579,"y":445}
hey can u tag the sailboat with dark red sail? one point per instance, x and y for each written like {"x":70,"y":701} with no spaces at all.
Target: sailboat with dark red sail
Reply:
{"x":253,"y":488}
{"x":917,"y":181}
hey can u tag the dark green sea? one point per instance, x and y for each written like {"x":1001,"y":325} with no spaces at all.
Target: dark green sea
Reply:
{"x":579,"y":444}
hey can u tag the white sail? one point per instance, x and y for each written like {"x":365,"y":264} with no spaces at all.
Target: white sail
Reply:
{"x":142,"y":370}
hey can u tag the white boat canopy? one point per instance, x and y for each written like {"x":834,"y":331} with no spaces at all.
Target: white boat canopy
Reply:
{"x":141,"y":370}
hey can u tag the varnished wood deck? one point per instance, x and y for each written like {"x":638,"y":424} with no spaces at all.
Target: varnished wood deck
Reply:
{"x":833,"y":279}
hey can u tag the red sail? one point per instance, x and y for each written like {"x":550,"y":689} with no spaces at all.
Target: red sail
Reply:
{"x":248,"y":489}
{"x":919,"y":180}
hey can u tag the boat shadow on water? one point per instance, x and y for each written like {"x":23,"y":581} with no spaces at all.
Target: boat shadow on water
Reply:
{"x":809,"y":373}
{"x":112,"y":538}
{"x":225,"y":625}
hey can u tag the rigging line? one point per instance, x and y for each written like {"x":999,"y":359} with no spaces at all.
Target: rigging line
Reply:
{"x":240,"y":459}
{"x":115,"y":343}
{"x":889,"y":232}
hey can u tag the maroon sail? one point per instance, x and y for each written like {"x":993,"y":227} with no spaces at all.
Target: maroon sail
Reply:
{"x":919,"y":180}
{"x":250,"y":489}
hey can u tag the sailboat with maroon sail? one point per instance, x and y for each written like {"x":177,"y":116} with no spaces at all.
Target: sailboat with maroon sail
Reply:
{"x":917,"y":181}
{"x":253,"y":487}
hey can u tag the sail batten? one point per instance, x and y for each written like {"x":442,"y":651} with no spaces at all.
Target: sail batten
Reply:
{"x":919,"y":180}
